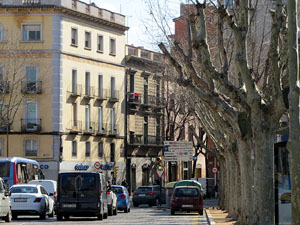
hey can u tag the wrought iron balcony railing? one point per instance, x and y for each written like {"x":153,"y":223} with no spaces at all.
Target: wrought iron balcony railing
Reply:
{"x":113,"y":129}
{"x":75,"y":90}
{"x":114,"y":96}
{"x":101,"y":94}
{"x":101,"y":128}
{"x":4,"y":87}
{"x":31,"y":125}
{"x":75,"y":126}
{"x":31,"y":87}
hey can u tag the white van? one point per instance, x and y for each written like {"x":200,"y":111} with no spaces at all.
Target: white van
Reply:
{"x":5,"y":207}
{"x":49,"y":185}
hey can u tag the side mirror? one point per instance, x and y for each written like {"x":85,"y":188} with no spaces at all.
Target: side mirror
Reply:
{"x":7,"y":193}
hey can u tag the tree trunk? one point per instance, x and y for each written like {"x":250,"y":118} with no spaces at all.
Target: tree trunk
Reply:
{"x":294,"y":141}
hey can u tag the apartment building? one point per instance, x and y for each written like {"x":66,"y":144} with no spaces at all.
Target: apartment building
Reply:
{"x":144,"y":122}
{"x":69,"y":55}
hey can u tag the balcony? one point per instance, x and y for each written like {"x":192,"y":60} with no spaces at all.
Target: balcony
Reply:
{"x":114,"y":96}
{"x":89,"y":93}
{"x":31,"y":125}
{"x":89,"y":127}
{"x":101,"y":129}
{"x":139,"y":139}
{"x":4,"y":87}
{"x":134,"y":98}
{"x":113,"y":130}
{"x":101,"y":94}
{"x":31,"y":87}
{"x":75,"y":126}
{"x":149,"y":100}
{"x":75,"y":90}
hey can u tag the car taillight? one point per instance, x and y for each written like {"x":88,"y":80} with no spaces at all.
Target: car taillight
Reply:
{"x":123,"y":196}
{"x":37,"y":200}
{"x":55,"y":195}
{"x":151,"y":193}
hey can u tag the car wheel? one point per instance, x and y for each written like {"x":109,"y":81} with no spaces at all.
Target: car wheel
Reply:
{"x":8,"y":216}
{"x":66,"y":217}
{"x":135,"y":204}
{"x":14,"y":216}
{"x":129,"y":209}
{"x":172,"y":212}
{"x":43,"y":216}
{"x":201,"y":212}
{"x":59,"y":217}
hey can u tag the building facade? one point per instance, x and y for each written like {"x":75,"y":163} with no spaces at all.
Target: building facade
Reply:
{"x":144,"y":122}
{"x":70,"y":58}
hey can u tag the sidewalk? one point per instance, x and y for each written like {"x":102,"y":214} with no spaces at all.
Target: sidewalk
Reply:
{"x":216,"y":216}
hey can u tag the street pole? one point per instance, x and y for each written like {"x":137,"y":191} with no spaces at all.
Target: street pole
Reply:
{"x":7,"y":127}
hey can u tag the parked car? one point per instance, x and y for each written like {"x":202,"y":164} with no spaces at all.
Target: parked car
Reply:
{"x":49,"y":185}
{"x":81,"y":194}
{"x":187,"y":198}
{"x":123,"y":198}
{"x":31,"y":199}
{"x":111,"y":202}
{"x":5,"y":206}
{"x":151,"y":195}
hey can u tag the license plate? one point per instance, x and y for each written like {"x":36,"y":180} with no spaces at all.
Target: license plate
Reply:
{"x":142,"y":195}
{"x":187,"y":206}
{"x":69,"y":205}
{"x":20,"y":200}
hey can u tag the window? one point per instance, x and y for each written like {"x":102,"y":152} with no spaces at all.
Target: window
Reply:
{"x":100,"y":119}
{"x":87,"y":43}
{"x":100,"y":149}
{"x":74,"y":81}
{"x":145,"y":54}
{"x":87,"y":149}
{"x":31,"y":147}
{"x":131,"y":83}
{"x":74,"y":39}
{"x":2,"y":33}
{"x":87,"y":117}
{"x":74,"y":114}
{"x":87,"y":83}
{"x":31,"y":115}
{"x":112,"y":152}
{"x":100,"y":86}
{"x":74,"y":148}
{"x":112,"y":46}
{"x":1,"y":147}
{"x":31,"y":32}
{"x":31,"y":84}
{"x":100,"y":43}
{"x":112,"y":87}
{"x":112,"y":120}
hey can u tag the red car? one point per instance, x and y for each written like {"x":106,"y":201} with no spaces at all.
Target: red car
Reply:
{"x":187,"y":198}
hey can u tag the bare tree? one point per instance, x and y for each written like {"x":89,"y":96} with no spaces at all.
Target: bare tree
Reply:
{"x":238,"y":78}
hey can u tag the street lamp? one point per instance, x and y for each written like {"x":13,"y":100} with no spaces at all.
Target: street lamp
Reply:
{"x":7,"y":128}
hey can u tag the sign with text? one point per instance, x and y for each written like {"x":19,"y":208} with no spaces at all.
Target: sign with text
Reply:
{"x":178,"y":151}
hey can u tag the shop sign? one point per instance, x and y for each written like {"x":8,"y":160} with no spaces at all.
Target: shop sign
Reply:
{"x":81,"y":167}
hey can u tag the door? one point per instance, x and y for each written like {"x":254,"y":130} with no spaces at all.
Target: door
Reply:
{"x":74,"y":81}
{"x":146,"y":90}
{"x":100,"y":86}
{"x":31,"y":78}
{"x":87,"y":83}
{"x":112,"y":121}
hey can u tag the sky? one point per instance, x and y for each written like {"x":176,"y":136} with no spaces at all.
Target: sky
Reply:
{"x":137,"y":19}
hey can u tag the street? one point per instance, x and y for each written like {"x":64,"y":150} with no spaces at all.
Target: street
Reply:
{"x":140,"y":215}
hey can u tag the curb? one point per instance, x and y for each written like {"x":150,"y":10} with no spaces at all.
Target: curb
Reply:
{"x":209,"y":218}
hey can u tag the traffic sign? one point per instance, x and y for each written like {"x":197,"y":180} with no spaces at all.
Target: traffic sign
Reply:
{"x":160,"y":172}
{"x":214,"y":170}
{"x":178,"y":151}
{"x":97,"y":165}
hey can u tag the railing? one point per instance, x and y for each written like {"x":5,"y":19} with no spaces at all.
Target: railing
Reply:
{"x":154,"y":140}
{"x":89,"y":92}
{"x":114,"y":96}
{"x":75,"y":126}
{"x":75,"y":90}
{"x":4,"y":87}
{"x":134,"y":98}
{"x":149,"y":100}
{"x":101,"y":128}
{"x":31,"y":125}
{"x":89,"y":127}
{"x":139,"y":139}
{"x":135,"y":139}
{"x":31,"y":87}
{"x":113,"y":129}
{"x":101,"y":94}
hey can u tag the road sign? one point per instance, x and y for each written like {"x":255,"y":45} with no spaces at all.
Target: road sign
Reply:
{"x":195,"y":158}
{"x":160,"y":172}
{"x":178,"y":151}
{"x":97,"y":165}
{"x":214,"y":170}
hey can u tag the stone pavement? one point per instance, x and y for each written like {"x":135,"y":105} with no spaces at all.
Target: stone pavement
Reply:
{"x":215,"y":216}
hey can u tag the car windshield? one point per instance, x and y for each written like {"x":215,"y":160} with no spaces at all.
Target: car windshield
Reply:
{"x":4,"y":169}
{"x":24,"y":190}
{"x":186,"y":192}
{"x":117,"y":190}
{"x":144,"y":189}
